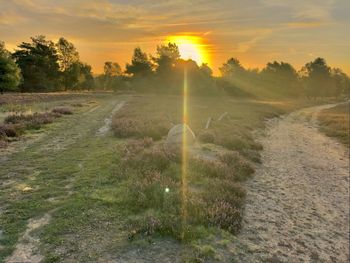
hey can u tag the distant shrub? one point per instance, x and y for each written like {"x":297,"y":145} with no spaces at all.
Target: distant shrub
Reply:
{"x":140,"y":127}
{"x":31,"y":120}
{"x":62,"y":110}
{"x":15,"y":124}
{"x":78,"y":105}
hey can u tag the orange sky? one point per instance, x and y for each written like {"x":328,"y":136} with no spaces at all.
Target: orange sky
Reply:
{"x":254,"y":31}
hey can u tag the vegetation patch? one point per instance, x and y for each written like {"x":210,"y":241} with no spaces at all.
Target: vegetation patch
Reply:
{"x":16,"y":124}
{"x":335,"y":122}
{"x":62,"y":110}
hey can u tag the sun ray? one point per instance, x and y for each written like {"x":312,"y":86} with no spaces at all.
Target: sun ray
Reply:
{"x":184,"y":186}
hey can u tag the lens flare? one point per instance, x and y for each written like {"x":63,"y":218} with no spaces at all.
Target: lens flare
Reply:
{"x":184,"y":187}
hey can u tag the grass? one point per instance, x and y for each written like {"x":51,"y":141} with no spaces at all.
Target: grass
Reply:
{"x":79,"y":199}
{"x":107,"y":193}
{"x":334,"y":122}
{"x":216,"y":191}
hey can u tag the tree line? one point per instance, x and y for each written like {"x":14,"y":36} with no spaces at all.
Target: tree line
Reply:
{"x":42,"y":65}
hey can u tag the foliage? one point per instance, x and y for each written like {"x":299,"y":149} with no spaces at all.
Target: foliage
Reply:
{"x":9,"y":72}
{"x":67,"y":54}
{"x":281,"y":77}
{"x":112,"y":79}
{"x":232,"y":68}
{"x":140,"y":65}
{"x":47,"y":66}
{"x":38,"y":61}
{"x":167,"y":56}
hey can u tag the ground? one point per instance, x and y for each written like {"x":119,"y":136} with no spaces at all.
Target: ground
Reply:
{"x":62,"y":199}
{"x":297,"y":206}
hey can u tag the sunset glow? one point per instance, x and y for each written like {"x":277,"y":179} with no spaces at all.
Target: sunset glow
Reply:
{"x":191,"y":47}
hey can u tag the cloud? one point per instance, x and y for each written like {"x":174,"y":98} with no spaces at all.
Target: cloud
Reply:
{"x":110,"y":29}
{"x":306,"y":24}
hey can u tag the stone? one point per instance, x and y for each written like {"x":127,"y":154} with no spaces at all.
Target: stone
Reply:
{"x":175,"y":136}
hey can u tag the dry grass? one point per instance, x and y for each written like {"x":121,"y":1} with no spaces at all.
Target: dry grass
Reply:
{"x":335,"y":122}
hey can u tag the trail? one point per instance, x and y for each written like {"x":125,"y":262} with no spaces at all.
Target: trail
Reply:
{"x":297,"y":206}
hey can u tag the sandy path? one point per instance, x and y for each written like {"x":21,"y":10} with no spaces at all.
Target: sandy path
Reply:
{"x":298,"y":202}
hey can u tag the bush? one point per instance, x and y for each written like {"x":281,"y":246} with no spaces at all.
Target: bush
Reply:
{"x":219,"y":205}
{"x":148,"y":191}
{"x":10,"y":130}
{"x":31,"y":121}
{"x":62,"y":110}
{"x":212,"y":169}
{"x":156,"y":223}
{"x":140,"y":127}
{"x":241,"y":166}
{"x":144,"y":159}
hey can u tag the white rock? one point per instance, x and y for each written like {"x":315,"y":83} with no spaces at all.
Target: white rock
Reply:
{"x":175,"y":136}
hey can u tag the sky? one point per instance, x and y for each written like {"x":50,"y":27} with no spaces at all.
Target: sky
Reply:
{"x":254,"y":31}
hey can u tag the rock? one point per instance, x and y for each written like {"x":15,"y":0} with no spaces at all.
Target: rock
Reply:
{"x":175,"y":136}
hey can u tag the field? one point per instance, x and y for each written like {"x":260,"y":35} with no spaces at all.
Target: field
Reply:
{"x":73,"y":190}
{"x":335,"y":122}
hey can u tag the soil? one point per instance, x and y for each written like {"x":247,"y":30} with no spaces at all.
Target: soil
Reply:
{"x":297,"y":206}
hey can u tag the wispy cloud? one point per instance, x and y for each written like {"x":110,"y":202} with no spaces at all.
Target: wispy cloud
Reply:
{"x":109,"y":29}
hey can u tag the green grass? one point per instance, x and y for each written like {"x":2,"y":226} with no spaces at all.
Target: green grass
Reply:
{"x":334,"y":122}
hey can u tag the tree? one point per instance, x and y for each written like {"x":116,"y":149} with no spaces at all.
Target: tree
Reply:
{"x":281,"y":77}
{"x":112,"y":77}
{"x":140,"y":65}
{"x":232,"y":69}
{"x":66,"y":53}
{"x":79,"y":76}
{"x":206,"y":70}
{"x":167,"y":56}
{"x":38,"y":62}
{"x":341,"y":82}
{"x":317,"y":78}
{"x":9,"y":71}
{"x":112,"y":69}
{"x":86,"y":77}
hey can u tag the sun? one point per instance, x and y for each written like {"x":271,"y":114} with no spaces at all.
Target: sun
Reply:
{"x":190,"y":47}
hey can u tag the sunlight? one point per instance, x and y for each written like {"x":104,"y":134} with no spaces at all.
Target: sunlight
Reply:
{"x":191,"y":47}
{"x":184,"y":157}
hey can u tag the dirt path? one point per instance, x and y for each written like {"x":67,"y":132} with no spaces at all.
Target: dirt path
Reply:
{"x":298,"y":202}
